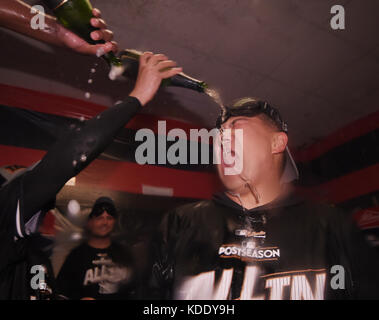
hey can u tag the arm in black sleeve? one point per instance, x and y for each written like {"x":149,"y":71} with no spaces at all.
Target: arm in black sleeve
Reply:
{"x":71,"y":154}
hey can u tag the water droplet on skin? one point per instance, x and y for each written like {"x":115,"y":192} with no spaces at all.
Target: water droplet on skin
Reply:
{"x":87,"y":95}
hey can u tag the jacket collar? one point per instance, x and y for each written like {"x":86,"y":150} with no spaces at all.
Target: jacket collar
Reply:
{"x":288,"y":199}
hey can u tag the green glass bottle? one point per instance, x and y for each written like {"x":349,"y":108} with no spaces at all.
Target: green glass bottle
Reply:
{"x":75,"y":15}
{"x":130,"y":65}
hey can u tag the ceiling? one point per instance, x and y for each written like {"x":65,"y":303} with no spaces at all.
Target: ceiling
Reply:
{"x":281,"y":50}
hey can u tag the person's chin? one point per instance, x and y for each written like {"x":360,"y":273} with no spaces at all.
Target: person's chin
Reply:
{"x":232,"y":182}
{"x":103,"y":234}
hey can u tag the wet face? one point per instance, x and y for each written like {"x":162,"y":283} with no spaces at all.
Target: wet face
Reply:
{"x":261,"y":142}
{"x":101,"y":226}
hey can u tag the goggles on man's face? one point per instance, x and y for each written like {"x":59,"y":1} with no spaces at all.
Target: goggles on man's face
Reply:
{"x":251,"y":108}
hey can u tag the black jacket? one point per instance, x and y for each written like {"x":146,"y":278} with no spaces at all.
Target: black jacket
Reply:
{"x":288,"y":249}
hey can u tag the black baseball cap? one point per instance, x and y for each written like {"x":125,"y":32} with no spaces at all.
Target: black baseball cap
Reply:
{"x":103,"y":204}
{"x":251,"y":107}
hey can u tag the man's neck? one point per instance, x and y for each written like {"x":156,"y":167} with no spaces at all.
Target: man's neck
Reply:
{"x":99,"y":243}
{"x":253,"y":196}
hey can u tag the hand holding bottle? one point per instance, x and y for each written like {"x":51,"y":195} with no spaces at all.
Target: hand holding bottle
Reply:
{"x":153,"y":68}
{"x":74,"y":42}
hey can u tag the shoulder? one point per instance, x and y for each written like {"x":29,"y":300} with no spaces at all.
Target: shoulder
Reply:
{"x":194,"y":207}
{"x":320,"y":213}
{"x":194,"y":211}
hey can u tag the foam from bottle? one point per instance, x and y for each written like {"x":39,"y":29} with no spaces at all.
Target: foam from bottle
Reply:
{"x":100,"y":52}
{"x":116,"y":72}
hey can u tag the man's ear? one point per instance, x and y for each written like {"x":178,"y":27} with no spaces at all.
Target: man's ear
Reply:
{"x":279,"y":142}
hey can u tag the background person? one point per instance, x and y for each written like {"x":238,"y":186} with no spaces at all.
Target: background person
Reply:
{"x":98,"y":268}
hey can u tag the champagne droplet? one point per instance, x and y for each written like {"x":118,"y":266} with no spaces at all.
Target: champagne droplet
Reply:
{"x":100,"y":52}
{"x":73,"y":208}
{"x":90,"y":80}
{"x":87,"y":95}
{"x":93,"y":70}
{"x":83,"y":158}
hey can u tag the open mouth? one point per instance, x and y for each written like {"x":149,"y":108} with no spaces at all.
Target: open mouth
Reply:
{"x":228,"y":158}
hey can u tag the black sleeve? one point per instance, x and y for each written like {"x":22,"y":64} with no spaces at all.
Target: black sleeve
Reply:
{"x":71,"y":154}
{"x":358,"y":257}
{"x":164,"y":253}
{"x":67,"y":283}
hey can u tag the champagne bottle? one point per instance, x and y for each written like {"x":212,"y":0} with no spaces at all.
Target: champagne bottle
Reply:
{"x":130,"y":64}
{"x":75,"y":15}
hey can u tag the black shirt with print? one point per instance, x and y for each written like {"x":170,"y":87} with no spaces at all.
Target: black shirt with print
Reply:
{"x":299,"y":250}
{"x":96,"y":273}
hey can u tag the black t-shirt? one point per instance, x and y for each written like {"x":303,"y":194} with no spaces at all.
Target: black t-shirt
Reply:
{"x":96,"y":273}
{"x":288,"y":249}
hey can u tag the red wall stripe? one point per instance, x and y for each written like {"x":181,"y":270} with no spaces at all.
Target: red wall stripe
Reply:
{"x":347,"y":187}
{"x":75,"y":108}
{"x":125,"y":176}
{"x":355,"y":129}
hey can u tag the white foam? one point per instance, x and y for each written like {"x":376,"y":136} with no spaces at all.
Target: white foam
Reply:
{"x":100,"y":52}
{"x":116,"y":72}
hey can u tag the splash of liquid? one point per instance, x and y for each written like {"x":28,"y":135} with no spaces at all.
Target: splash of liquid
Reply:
{"x":87,"y":95}
{"x":216,"y":97}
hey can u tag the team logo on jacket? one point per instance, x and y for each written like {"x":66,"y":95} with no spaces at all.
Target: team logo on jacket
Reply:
{"x":248,"y":251}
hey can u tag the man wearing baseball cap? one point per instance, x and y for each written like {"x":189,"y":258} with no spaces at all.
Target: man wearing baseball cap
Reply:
{"x":258,"y":239}
{"x":99,"y":268}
